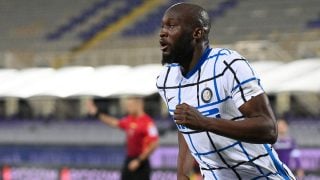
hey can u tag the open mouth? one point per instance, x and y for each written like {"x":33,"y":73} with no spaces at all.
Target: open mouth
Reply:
{"x":163,"y":45}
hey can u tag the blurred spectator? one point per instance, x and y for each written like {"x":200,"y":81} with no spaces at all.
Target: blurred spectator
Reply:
{"x":142,"y":137}
{"x":25,"y":110}
{"x":287,"y":149}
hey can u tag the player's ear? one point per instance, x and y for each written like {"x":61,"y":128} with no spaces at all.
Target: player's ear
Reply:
{"x":198,"y":33}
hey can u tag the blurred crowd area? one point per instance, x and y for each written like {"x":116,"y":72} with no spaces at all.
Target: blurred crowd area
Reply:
{"x":99,"y":32}
{"x":54,"y":137}
{"x":45,"y":117}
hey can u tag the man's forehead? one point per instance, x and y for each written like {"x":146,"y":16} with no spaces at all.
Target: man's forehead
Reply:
{"x":172,"y":15}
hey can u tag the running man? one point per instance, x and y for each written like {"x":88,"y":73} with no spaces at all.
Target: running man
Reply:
{"x":216,"y":100}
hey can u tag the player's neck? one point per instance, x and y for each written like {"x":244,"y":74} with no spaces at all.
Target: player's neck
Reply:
{"x":197,"y":53}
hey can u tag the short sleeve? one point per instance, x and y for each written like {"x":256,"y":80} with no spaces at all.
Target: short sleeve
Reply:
{"x":151,"y":135}
{"x":124,"y":123}
{"x":152,"y":130}
{"x":242,"y":81}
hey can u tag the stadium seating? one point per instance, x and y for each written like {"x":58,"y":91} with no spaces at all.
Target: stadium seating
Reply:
{"x":81,"y":18}
{"x":107,"y":20}
{"x":72,"y":22}
{"x":315,"y":23}
{"x":257,"y":19}
{"x":150,"y":24}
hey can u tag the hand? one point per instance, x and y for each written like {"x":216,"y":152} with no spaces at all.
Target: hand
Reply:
{"x":91,"y":107}
{"x":134,"y":165}
{"x":189,"y":116}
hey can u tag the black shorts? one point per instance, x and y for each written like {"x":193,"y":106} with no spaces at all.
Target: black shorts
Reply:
{"x":142,"y":173}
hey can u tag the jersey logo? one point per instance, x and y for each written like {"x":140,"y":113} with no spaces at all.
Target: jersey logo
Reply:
{"x":206,"y":95}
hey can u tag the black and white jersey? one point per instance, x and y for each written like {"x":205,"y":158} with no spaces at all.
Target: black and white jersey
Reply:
{"x":219,"y":84}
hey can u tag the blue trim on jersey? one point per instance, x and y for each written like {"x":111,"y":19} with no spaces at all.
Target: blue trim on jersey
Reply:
{"x":206,"y":105}
{"x":179,"y":93}
{"x":199,"y":63}
{"x":214,"y":70}
{"x":250,"y":68}
{"x":179,"y":102}
{"x":194,"y":148}
{"x":172,"y":65}
{"x":219,"y":150}
{"x":249,"y":158}
{"x":214,"y":103}
{"x":265,"y":176}
{"x":210,"y":112}
{"x":253,"y":73}
{"x":259,"y":83}
{"x":243,"y":82}
{"x":279,"y":167}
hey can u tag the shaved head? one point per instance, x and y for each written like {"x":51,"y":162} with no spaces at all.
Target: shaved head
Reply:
{"x":193,"y":15}
{"x":184,"y":33}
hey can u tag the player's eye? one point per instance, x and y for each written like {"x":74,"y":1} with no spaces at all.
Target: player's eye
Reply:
{"x":168,"y":26}
{"x":171,"y":26}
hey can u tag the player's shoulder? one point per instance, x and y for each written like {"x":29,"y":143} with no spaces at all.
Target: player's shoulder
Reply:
{"x":165,"y":70}
{"x":224,"y":55}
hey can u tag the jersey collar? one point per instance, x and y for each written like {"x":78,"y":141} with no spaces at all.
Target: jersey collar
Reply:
{"x":199,"y":63}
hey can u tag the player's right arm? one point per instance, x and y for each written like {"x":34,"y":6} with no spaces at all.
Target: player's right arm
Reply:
{"x":185,"y":159}
{"x":109,"y":120}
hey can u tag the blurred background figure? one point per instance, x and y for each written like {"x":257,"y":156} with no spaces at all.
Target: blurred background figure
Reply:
{"x":287,"y":149}
{"x":141,"y":133}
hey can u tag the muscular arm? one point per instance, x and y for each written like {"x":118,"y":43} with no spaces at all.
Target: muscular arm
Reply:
{"x":185,"y":159}
{"x":258,"y":126}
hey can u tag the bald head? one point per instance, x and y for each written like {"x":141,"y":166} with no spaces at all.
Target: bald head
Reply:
{"x":184,"y":34}
{"x":192,"y":14}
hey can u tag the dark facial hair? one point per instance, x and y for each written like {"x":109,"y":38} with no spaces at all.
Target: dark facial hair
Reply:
{"x":181,"y":51}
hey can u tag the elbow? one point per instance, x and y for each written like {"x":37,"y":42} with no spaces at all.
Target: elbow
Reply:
{"x":155,"y":144}
{"x":272,"y":135}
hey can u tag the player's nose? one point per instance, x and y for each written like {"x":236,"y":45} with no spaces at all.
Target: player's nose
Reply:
{"x":163,"y":33}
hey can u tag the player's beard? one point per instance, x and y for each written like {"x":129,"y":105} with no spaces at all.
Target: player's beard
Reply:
{"x":181,"y":52}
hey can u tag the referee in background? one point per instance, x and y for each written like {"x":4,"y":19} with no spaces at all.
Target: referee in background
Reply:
{"x":142,"y":137}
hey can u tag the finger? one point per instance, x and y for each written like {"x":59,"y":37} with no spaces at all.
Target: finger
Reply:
{"x":179,"y":106}
{"x":185,"y":105}
{"x":182,"y":105}
{"x":179,"y":117}
{"x":180,"y":122}
{"x":179,"y":111}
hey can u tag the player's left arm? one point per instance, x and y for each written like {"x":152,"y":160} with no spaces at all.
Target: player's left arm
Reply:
{"x":242,"y":84}
{"x":258,"y":126}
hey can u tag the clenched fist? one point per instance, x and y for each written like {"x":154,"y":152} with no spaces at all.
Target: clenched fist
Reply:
{"x":189,"y":116}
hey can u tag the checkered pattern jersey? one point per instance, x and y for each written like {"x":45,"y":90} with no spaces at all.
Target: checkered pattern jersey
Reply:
{"x":219,"y":84}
